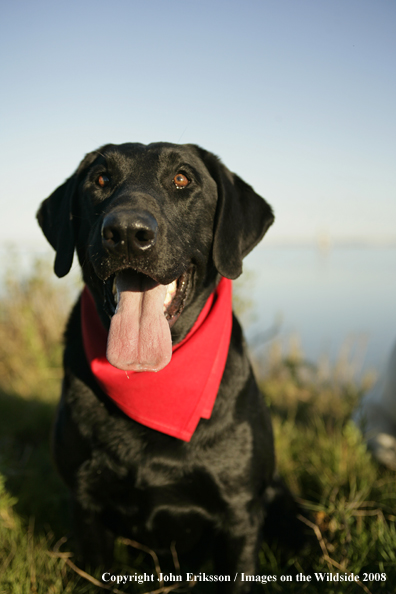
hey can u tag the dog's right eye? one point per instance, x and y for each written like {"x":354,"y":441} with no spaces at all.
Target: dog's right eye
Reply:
{"x":181,"y":181}
{"x":103,"y":181}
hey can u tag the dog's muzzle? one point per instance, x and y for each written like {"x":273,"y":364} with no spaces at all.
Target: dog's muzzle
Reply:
{"x":129,"y":233}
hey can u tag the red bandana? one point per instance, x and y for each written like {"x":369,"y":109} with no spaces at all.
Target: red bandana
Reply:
{"x":174,"y":399}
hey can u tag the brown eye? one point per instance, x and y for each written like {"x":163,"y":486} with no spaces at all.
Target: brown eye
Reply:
{"x":180,"y":181}
{"x":103,"y":180}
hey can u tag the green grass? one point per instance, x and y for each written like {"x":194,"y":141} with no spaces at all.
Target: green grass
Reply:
{"x":349,"y":499}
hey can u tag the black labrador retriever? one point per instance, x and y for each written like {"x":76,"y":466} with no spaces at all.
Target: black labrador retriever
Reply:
{"x":185,"y":459}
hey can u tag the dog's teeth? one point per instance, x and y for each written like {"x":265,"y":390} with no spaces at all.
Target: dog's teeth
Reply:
{"x":170,"y":293}
{"x":115,"y":292}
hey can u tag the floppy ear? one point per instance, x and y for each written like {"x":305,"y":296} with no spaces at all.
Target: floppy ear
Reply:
{"x":242,"y":217}
{"x":55,"y":217}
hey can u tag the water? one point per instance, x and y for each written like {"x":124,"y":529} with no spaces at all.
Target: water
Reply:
{"x":325,"y":297}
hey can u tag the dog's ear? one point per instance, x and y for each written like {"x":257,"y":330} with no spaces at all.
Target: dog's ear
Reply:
{"x":56,"y":217}
{"x":242,"y":217}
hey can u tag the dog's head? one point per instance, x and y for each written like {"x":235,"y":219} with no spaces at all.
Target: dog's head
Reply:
{"x":153,"y":227}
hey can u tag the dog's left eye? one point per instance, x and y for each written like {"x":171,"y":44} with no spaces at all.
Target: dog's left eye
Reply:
{"x":180,"y":181}
{"x":103,"y":180}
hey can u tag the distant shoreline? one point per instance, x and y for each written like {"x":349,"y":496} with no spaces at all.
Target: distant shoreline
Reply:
{"x":36,"y":249}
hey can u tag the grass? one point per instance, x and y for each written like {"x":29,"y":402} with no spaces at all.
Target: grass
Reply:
{"x":349,"y":500}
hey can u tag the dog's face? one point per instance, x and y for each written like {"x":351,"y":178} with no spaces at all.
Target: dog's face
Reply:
{"x":153,"y":226}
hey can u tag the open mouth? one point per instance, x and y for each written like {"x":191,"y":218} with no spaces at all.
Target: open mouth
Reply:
{"x":142,"y":311}
{"x":175,"y":296}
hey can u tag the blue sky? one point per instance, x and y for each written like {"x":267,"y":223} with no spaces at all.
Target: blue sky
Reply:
{"x":296,"y":96}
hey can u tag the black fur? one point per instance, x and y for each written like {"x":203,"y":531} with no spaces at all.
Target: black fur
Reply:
{"x":208,"y":495}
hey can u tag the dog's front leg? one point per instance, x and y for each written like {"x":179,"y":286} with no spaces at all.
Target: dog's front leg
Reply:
{"x":237,"y":555}
{"x":95,"y":543}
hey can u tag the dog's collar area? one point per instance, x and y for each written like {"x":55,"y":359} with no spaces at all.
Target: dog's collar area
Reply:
{"x":173,"y":400}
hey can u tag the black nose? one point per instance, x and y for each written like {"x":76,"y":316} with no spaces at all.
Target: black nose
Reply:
{"x":129,"y":232}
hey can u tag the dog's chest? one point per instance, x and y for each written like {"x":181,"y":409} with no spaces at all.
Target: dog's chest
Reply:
{"x":156,"y":500}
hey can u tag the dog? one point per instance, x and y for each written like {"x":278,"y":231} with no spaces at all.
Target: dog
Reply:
{"x":160,"y":441}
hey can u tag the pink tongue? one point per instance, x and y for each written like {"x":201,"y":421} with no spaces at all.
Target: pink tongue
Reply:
{"x":139,"y":336}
